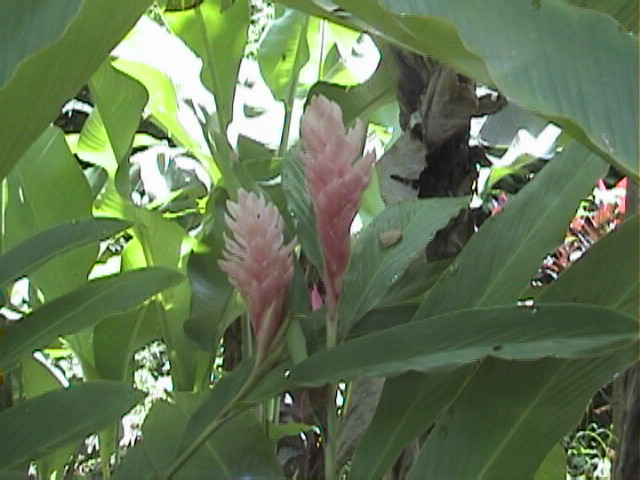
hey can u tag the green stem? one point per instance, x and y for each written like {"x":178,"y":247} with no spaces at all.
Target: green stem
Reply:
{"x":291,"y":92}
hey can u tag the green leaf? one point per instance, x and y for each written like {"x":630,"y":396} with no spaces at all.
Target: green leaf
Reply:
{"x":525,"y":51}
{"x":586,"y":281}
{"x":145,"y":54}
{"x":116,"y":338}
{"x":360,"y":101}
{"x":81,"y":309}
{"x":39,"y":249}
{"x":520,"y":410}
{"x":374,"y":266}
{"x":47,"y":188}
{"x":528,"y":51}
{"x":218,"y":37}
{"x":223,"y":455}
{"x":497,"y":264}
{"x":463,"y":337}
{"x":554,"y":466}
{"x":50,"y":50}
{"x":627,"y":12}
{"x":299,"y":202}
{"x":54,"y":419}
{"x":120,"y":100}
{"x":401,"y":415}
{"x":215,"y":403}
{"x":162,"y":242}
{"x":283,"y":52}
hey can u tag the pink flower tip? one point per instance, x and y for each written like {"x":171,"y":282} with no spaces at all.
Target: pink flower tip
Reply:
{"x":258,"y":263}
{"x":336,"y":175}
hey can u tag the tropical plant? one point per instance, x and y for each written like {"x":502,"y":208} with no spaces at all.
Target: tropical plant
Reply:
{"x":414,"y":347}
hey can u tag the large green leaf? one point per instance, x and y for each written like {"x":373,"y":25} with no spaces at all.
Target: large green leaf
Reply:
{"x":497,"y":264}
{"x":401,"y":416}
{"x":374,"y":267}
{"x":45,"y":189}
{"x":283,"y":52}
{"x":299,"y":203}
{"x":627,"y":12}
{"x":116,"y":338}
{"x":519,"y":410}
{"x":208,"y":415}
{"x":551,"y":394}
{"x":81,"y":309}
{"x":528,"y":51}
{"x":607,"y":275}
{"x":224,"y":455}
{"x":218,"y":36}
{"x":49,"y":51}
{"x":524,"y":49}
{"x":54,"y":419}
{"x":120,"y":100}
{"x":39,"y":249}
{"x":463,"y":337}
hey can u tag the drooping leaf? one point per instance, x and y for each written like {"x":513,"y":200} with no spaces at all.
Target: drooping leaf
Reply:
{"x":49,"y":51}
{"x":529,"y":49}
{"x":466,"y":336}
{"x":218,"y":37}
{"x":47,"y":188}
{"x":283,"y":52}
{"x":39,"y":249}
{"x":374,"y":266}
{"x":524,"y":49}
{"x":54,"y":419}
{"x":519,"y":410}
{"x":81,"y":309}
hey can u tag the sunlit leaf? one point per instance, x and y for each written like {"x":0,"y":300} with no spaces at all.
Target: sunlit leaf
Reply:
{"x":49,"y":51}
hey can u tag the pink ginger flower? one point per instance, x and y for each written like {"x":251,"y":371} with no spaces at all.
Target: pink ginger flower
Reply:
{"x":336,"y":177}
{"x":258,"y":264}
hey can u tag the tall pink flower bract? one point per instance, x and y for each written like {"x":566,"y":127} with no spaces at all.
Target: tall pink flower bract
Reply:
{"x":336,"y":177}
{"x":258,"y":264}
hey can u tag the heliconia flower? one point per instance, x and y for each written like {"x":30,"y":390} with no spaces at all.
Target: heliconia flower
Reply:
{"x":258,"y":264}
{"x":336,"y":177}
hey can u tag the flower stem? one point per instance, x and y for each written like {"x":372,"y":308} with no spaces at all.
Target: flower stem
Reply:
{"x":331,"y":434}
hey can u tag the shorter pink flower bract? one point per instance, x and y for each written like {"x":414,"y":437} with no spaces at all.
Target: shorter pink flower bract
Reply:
{"x":258,"y":264}
{"x":336,"y":178}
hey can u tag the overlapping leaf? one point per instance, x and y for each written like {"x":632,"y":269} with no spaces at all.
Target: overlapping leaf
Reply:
{"x":374,"y":267}
{"x":81,"y":309}
{"x":54,"y":419}
{"x":47,"y":245}
{"x":49,"y":51}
